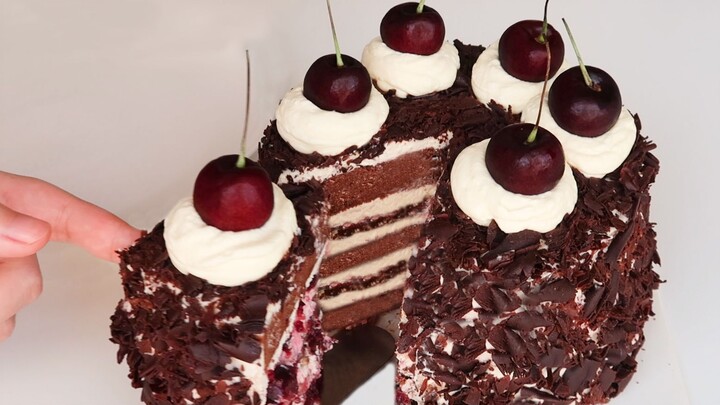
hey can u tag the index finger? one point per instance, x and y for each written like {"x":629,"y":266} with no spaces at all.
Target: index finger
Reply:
{"x":71,"y":219}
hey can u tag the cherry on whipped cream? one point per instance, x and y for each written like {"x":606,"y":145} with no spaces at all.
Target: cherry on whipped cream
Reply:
{"x":233,"y":198}
{"x":582,"y":109}
{"x":525,"y":164}
{"x":413,"y":28}
{"x":332,"y":87}
{"x":523,"y":54}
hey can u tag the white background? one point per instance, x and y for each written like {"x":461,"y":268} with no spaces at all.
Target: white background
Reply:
{"x":121,"y":102}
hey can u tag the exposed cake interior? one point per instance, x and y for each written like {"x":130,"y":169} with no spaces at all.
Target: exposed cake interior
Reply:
{"x":377,"y":197}
{"x":374,"y":222}
{"x":298,"y":368}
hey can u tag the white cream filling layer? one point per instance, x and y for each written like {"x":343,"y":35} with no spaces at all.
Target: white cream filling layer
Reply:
{"x":308,"y":128}
{"x":351,"y":297}
{"x":369,"y":268}
{"x":229,"y":258}
{"x":393,"y":150}
{"x":382,"y":206}
{"x":410,"y":74}
{"x":338,"y":246}
{"x":593,"y":157}
{"x":483,"y":200}
{"x":490,"y":81}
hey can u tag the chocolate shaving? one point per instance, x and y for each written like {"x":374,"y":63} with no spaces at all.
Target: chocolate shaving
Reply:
{"x":558,"y":291}
{"x":527,"y":321}
{"x":247,"y":350}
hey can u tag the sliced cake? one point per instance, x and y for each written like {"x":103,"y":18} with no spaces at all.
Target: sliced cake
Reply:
{"x":517,"y":283}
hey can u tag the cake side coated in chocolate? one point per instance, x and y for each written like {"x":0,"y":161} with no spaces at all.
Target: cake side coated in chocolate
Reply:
{"x":554,"y":318}
{"x":188,"y":341}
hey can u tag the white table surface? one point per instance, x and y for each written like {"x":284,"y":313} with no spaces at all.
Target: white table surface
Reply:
{"x":121,"y":103}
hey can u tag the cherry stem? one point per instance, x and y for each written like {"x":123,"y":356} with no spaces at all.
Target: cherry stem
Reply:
{"x":420,"y":6}
{"x":241,"y":159}
{"x":543,"y":36}
{"x":533,"y":133}
{"x":338,"y":54}
{"x":583,"y":69}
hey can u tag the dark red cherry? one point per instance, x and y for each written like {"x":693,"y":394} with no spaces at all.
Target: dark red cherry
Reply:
{"x":584,"y":110}
{"x":524,"y":167}
{"x":233,"y":199}
{"x":405,"y":30}
{"x":337,"y":88}
{"x":524,"y":56}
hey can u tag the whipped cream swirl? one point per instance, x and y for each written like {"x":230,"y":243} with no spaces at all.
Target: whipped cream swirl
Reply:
{"x":308,"y":128}
{"x":229,"y":258}
{"x":593,"y":157}
{"x":410,"y":74}
{"x":483,"y":200}
{"x":490,"y":81}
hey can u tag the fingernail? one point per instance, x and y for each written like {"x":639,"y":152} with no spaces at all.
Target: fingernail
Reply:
{"x":25,"y":229}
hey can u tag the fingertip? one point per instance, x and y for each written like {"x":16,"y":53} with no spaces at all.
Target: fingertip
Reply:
{"x":129,"y":238}
{"x":125,"y":237}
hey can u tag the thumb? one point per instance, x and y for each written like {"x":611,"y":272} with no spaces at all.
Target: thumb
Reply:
{"x":21,"y":235}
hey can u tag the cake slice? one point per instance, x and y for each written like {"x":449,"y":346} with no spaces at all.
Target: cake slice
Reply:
{"x":187,"y":340}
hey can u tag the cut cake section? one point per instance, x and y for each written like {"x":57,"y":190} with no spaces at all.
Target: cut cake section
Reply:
{"x":189,"y":341}
{"x":377,"y":199}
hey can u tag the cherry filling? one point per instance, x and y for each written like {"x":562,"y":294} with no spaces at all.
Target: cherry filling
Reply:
{"x":293,"y":378}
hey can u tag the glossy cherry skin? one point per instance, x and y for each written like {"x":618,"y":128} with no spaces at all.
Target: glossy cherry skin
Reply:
{"x":233,"y":199}
{"x":521,"y":167}
{"x":333,"y":88}
{"x":582,"y":110}
{"x":524,"y":57}
{"x":403,"y":29}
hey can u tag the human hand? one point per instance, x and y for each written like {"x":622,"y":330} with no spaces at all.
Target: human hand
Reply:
{"x":32,"y":212}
